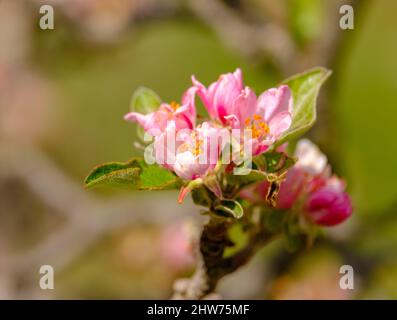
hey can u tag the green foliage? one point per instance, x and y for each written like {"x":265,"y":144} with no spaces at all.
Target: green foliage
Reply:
{"x":154,"y":177}
{"x":277,"y":162}
{"x":239,"y":238}
{"x":113,"y":174}
{"x":202,"y":197}
{"x":305,"y":88}
{"x":134,"y":174}
{"x":266,"y":166}
{"x":144,"y":100}
{"x":229,"y":208}
{"x":245,"y":180}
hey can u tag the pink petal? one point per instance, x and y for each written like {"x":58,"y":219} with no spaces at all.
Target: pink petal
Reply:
{"x":244,"y":105}
{"x":188,"y":109}
{"x":273,"y":101}
{"x":280,"y":123}
{"x":136,"y":117}
{"x":258,"y":147}
{"x":239,"y":76}
{"x":233,"y":121}
{"x":206,"y":96}
{"x":228,"y":89}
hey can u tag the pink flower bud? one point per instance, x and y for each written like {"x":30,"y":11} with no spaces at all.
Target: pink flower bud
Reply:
{"x":310,"y":182}
{"x":328,"y":206}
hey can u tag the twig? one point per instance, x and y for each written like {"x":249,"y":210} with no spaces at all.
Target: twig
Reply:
{"x":212,"y":265}
{"x":249,"y":40}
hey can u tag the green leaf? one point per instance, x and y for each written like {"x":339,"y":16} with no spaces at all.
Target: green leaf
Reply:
{"x":229,"y":208}
{"x":134,"y":174}
{"x":202,"y":197}
{"x":239,"y":238}
{"x":277,"y":162}
{"x":144,"y":100}
{"x":155,"y":177}
{"x":245,"y":180}
{"x":267,"y":166}
{"x":305,"y":88}
{"x":114,"y":174}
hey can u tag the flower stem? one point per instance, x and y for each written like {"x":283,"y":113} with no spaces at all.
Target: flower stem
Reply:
{"x":212,"y":265}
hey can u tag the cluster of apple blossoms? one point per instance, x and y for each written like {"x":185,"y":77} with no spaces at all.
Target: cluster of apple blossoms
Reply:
{"x":241,"y":128}
{"x":192,"y":150}
{"x":244,"y":162}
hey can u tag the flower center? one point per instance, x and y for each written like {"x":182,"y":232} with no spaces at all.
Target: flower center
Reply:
{"x":257,"y":125}
{"x":174,"y":105}
{"x":194,"y":147}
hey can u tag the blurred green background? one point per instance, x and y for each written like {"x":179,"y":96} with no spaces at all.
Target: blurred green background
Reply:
{"x":63,"y":94}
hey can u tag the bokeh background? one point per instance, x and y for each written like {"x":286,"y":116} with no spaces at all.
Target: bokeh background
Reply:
{"x":63,"y":94}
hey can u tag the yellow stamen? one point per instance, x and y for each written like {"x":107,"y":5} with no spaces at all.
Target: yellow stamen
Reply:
{"x":197,"y":146}
{"x":264,"y":127}
{"x":174,"y":105}
{"x":258,"y":127}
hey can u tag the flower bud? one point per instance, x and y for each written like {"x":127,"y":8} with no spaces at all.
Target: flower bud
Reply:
{"x":328,"y":206}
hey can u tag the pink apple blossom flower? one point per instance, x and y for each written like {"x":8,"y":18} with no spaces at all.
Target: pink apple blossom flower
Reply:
{"x":272,"y":117}
{"x":220,"y":96}
{"x":154,"y":123}
{"x":230,"y":103}
{"x":191,"y":154}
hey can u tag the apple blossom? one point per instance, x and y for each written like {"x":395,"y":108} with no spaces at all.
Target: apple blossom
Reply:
{"x":154,"y":123}
{"x":232,"y":104}
{"x":220,"y":96}
{"x":197,"y":157}
{"x":191,"y":154}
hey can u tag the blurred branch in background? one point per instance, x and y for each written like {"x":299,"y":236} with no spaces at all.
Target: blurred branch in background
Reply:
{"x":26,"y":102}
{"x":272,"y":38}
{"x":88,"y":217}
{"x":105,"y":21}
{"x":250,"y":40}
